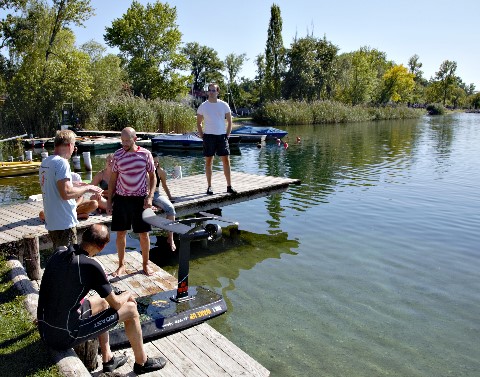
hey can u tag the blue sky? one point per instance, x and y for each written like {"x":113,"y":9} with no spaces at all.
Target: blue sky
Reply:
{"x":434,"y":30}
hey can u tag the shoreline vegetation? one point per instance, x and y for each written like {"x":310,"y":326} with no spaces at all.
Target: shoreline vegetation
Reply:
{"x":285,"y":113}
{"x":168,"y":116}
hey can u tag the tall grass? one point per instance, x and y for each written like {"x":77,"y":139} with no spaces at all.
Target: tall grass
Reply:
{"x":22,"y":353}
{"x":143,"y":115}
{"x":291,"y":112}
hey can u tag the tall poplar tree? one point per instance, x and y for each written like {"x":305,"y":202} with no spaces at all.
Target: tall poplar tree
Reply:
{"x":274,"y":56}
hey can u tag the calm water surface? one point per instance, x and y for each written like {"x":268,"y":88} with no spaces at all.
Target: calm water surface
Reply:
{"x":368,"y":268}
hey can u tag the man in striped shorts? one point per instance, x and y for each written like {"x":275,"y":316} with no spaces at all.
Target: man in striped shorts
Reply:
{"x":130,"y":191}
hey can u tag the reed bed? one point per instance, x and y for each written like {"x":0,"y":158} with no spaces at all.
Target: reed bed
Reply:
{"x":283,"y":113}
{"x":143,"y":115}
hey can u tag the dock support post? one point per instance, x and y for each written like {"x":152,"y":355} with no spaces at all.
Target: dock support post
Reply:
{"x":32,"y":257}
{"x":87,"y":352}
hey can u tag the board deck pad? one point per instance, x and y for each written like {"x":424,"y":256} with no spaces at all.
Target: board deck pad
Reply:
{"x":160,"y":315}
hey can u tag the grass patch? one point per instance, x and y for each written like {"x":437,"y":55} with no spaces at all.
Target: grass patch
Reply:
{"x":21,"y":350}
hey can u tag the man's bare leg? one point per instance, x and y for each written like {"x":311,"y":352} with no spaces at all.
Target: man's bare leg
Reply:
{"x":121,"y":244}
{"x":209,"y":170}
{"x":128,"y":314}
{"x":226,"y":169}
{"x":98,"y":305}
{"x":145,"y":247}
{"x":173,"y":247}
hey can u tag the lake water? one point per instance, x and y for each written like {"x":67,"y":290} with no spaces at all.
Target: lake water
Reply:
{"x":370,"y":267}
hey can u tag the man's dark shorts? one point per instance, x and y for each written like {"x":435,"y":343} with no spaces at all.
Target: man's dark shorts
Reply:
{"x":127,"y":213}
{"x":215,"y":144}
{"x":92,"y":326}
{"x":64,"y":237}
{"x":88,"y":327}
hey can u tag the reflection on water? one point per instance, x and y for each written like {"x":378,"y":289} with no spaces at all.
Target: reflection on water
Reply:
{"x":367,"y":268}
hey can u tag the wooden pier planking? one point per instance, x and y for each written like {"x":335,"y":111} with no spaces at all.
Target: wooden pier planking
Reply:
{"x":18,"y":220}
{"x":196,"y":351}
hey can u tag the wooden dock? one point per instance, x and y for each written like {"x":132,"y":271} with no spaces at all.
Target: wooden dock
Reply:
{"x":20,"y":220}
{"x":196,"y":351}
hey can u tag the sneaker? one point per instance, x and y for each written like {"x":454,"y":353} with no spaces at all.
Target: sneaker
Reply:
{"x":114,"y":363}
{"x":150,"y":365}
{"x":209,"y":190}
{"x":231,"y":190}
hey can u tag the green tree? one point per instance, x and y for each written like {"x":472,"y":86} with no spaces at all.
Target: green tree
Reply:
{"x":360,"y":76}
{"x":274,"y":55}
{"x":326,"y":69}
{"x":149,"y":40}
{"x":249,"y":93}
{"x":67,"y":12}
{"x":47,"y":70}
{"x":233,"y":65}
{"x":300,"y":77}
{"x":11,"y":24}
{"x":458,"y":97}
{"x":414,"y":66}
{"x":95,"y":50}
{"x":260,"y":77}
{"x":205,"y":65}
{"x":108,"y":78}
{"x":311,"y":69}
{"x":446,"y":79}
{"x":474,"y":100}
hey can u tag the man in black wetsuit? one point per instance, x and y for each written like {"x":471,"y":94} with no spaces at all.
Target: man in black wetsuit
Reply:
{"x":66,"y":319}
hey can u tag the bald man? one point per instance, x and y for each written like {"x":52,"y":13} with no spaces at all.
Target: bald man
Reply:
{"x":130,"y":191}
{"x":66,"y":318}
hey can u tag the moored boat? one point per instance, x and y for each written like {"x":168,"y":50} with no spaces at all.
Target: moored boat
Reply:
{"x":12,"y":169}
{"x":98,"y":143}
{"x":185,"y":141}
{"x":254,"y":134}
{"x":38,"y":142}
